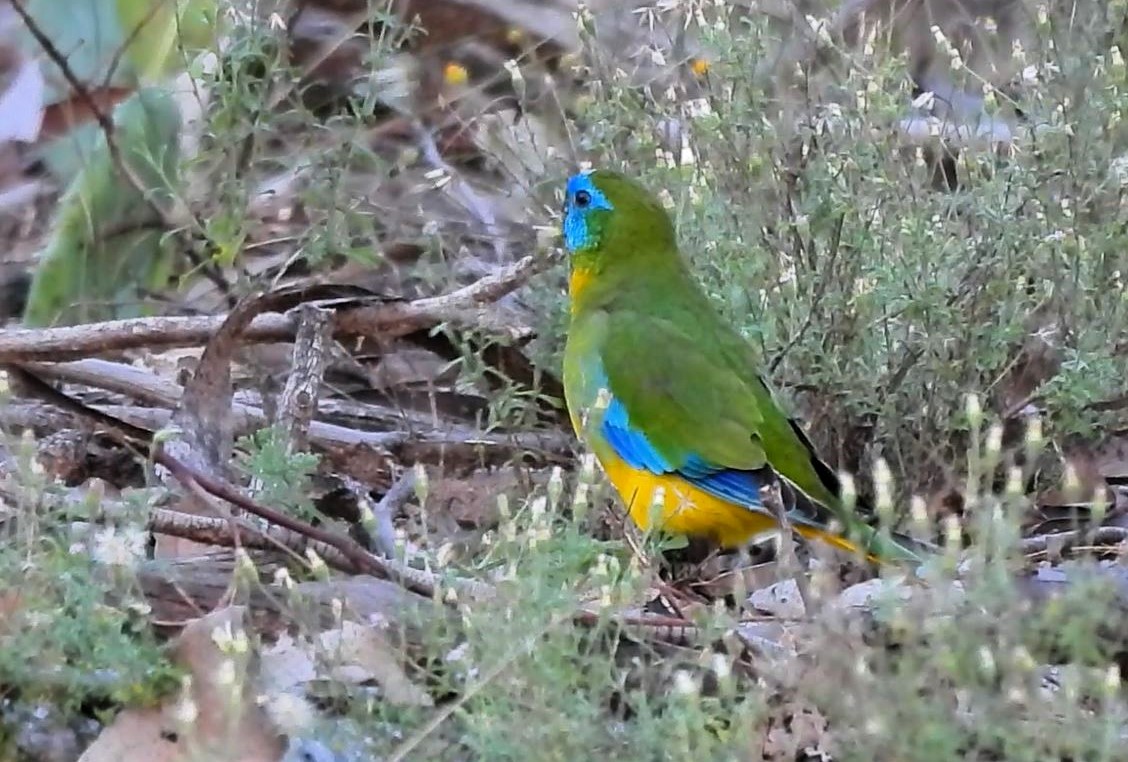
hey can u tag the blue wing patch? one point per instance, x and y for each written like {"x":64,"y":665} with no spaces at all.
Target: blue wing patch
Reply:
{"x":629,"y":444}
{"x":633,"y":446}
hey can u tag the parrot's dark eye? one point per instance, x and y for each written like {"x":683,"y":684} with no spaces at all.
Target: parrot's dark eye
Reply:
{"x":583,"y":198}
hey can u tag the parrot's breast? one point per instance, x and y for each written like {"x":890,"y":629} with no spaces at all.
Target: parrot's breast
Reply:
{"x":578,"y":281}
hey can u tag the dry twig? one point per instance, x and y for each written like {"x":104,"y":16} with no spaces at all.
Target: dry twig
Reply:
{"x":459,"y":307}
{"x":1061,"y":542}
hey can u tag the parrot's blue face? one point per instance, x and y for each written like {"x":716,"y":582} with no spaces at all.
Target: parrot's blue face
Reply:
{"x":585,"y":208}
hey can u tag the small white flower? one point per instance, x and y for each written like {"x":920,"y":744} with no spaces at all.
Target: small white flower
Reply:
{"x":290,"y":712}
{"x":1119,"y":167}
{"x":994,"y":439}
{"x":986,"y":661}
{"x":185,"y":710}
{"x":1112,"y":679}
{"x":226,"y":673}
{"x":457,"y":654}
{"x":974,"y":409}
{"x":537,"y":508}
{"x":124,"y":547}
{"x":230,"y":640}
{"x":924,"y":100}
{"x":317,"y":564}
{"x":684,"y":683}
{"x":282,"y":578}
{"x":722,"y":668}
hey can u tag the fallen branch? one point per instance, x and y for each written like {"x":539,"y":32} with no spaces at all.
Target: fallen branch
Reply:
{"x":1061,"y":542}
{"x":552,"y":446}
{"x":298,"y":402}
{"x":389,"y":320}
{"x":195,"y":480}
{"x":383,"y":530}
{"x":416,"y":580}
{"x":148,"y":388}
{"x":219,"y":531}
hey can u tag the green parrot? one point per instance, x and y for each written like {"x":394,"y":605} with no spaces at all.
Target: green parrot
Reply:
{"x":668,"y":395}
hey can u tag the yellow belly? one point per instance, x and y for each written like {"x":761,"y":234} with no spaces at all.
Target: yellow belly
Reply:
{"x":684,"y":509}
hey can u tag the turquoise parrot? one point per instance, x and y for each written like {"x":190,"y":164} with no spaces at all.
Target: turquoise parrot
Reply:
{"x":668,"y":395}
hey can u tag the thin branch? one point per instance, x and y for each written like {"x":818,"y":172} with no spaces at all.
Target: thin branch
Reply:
{"x":415,"y":580}
{"x":1063,"y":541}
{"x":217,"y":530}
{"x":134,"y":33}
{"x":405,"y":749}
{"x":460,"y":307}
{"x":104,"y":122}
{"x":194,"y":479}
{"x":431,"y":445}
{"x":384,"y":534}
{"x":298,"y":401}
{"x":375,"y":425}
{"x":462,"y":190}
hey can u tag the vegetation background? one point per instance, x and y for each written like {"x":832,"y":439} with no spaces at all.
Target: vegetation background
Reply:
{"x":960,"y":348}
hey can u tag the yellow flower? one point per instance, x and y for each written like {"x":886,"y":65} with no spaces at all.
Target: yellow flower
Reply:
{"x":455,"y":74}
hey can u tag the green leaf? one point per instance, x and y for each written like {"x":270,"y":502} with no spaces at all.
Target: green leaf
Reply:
{"x":92,"y":36}
{"x":108,"y":246}
{"x":157,"y":29}
{"x":86,"y":33}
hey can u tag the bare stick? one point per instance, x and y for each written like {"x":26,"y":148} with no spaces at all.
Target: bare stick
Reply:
{"x":1064,"y":541}
{"x":384,"y":532}
{"x":217,"y":530}
{"x":436,"y":444}
{"x":462,"y":190}
{"x":412,"y":579}
{"x":788,"y":558}
{"x":298,"y":401}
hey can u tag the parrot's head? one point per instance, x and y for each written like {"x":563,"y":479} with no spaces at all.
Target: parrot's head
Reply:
{"x":612,"y":223}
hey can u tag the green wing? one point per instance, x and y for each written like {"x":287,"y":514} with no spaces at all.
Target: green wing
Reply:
{"x":697,"y":399}
{"x":698,"y":394}
{"x":688,"y":403}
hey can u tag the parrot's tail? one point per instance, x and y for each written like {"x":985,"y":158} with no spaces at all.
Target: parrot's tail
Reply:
{"x":874,"y":545}
{"x":813,"y":521}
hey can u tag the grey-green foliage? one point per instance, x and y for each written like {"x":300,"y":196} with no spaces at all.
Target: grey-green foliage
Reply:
{"x":284,"y":475}
{"x":73,"y":628}
{"x":108,"y":245}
